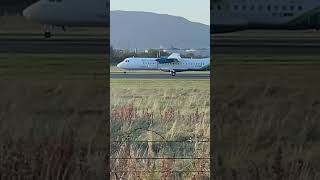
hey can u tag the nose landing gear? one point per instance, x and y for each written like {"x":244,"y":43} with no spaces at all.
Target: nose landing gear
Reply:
{"x":47,"y":34}
{"x":173,"y":73}
{"x":47,"y":31}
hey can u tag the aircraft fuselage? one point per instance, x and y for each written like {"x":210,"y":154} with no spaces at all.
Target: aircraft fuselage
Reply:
{"x":236,"y":15}
{"x":183,"y":64}
{"x":69,"y":12}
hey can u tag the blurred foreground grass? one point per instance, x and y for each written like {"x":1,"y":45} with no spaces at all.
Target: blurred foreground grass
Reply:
{"x":53,"y":116}
{"x":266,"y":114}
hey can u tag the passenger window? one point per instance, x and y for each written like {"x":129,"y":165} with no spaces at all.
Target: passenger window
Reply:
{"x":269,"y":8}
{"x":292,"y":8}
{"x":260,"y":7}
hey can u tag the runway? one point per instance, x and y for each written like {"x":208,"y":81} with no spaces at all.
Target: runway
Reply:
{"x":157,"y":75}
{"x":265,"y":46}
{"x":220,"y":45}
{"x":54,"y":45}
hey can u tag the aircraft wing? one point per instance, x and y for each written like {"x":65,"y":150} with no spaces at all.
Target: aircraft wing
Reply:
{"x":174,"y":57}
{"x":164,"y":60}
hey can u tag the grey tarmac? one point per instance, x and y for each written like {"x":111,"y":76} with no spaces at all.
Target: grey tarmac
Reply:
{"x":54,"y":45}
{"x":157,"y":75}
{"x":221,"y":45}
{"x":265,"y":46}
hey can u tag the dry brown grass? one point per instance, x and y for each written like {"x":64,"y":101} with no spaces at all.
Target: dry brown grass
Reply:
{"x":168,"y":116}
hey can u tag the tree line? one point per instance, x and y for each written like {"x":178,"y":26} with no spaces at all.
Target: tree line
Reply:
{"x":117,"y":55}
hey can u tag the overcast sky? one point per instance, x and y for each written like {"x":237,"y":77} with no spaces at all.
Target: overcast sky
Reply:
{"x":193,"y":10}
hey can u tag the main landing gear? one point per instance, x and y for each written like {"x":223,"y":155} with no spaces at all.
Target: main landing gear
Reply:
{"x":48,"y":28}
{"x":173,"y":73}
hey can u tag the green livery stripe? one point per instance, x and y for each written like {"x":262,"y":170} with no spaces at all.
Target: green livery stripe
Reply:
{"x":207,"y":67}
{"x":305,"y":17}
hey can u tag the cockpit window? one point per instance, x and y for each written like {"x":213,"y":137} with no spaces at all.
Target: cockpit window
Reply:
{"x":126,"y":60}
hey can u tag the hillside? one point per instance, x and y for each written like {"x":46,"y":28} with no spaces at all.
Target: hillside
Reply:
{"x":131,"y":29}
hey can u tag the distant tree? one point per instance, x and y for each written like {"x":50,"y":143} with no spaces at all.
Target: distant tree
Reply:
{"x":117,"y":55}
{"x":112,"y":51}
{"x":152,"y":53}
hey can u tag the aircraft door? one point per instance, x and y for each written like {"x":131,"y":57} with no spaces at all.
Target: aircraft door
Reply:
{"x":174,"y":65}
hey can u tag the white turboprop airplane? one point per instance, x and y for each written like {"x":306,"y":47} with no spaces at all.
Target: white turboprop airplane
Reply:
{"x":63,"y":13}
{"x":235,"y":15}
{"x":174,"y":63}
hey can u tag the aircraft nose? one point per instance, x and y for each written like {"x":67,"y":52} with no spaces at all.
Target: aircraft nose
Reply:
{"x":119,"y":65}
{"x":26,"y":12}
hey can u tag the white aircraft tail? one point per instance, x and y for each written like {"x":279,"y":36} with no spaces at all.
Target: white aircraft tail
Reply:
{"x":175,"y":56}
